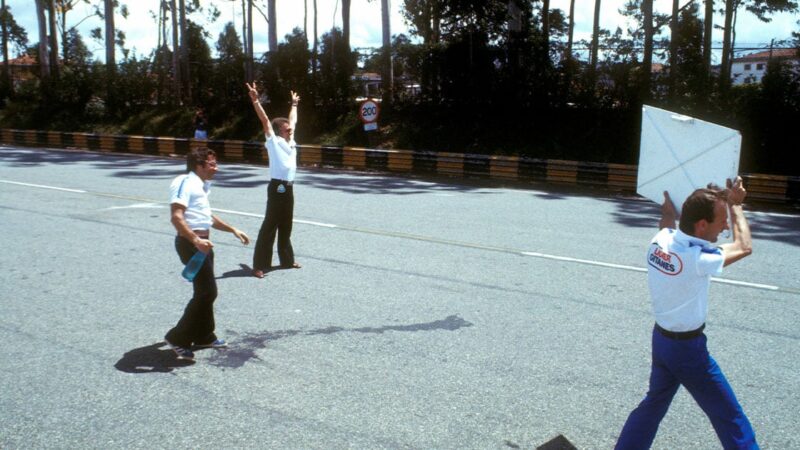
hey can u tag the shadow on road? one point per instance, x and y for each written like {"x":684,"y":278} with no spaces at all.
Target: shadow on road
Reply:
{"x":150,"y":359}
{"x":134,"y":167}
{"x":632,"y":211}
{"x":154,"y":359}
{"x":243,"y":348}
{"x":641,"y":213}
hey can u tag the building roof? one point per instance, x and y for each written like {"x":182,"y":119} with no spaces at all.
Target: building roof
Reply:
{"x":777,"y":53}
{"x":24,"y":60}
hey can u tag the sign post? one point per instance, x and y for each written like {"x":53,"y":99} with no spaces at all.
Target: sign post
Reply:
{"x":368,"y":112}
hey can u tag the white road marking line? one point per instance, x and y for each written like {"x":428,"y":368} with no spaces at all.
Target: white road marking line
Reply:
{"x":41,"y":186}
{"x":318,"y":224}
{"x":768,"y":287}
{"x":137,"y":205}
{"x":261,"y":216}
{"x":584,"y":261}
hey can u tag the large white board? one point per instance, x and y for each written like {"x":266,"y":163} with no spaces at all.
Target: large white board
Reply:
{"x":679,"y":154}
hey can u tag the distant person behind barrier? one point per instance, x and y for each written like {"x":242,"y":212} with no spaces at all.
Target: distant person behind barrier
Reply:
{"x":200,"y":124}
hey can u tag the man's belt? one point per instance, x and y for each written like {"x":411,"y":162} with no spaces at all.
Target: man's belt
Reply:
{"x":284,"y":182}
{"x":681,"y":335}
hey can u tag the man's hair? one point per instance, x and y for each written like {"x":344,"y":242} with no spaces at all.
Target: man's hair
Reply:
{"x":278,"y":122}
{"x":197,"y":156}
{"x":700,"y":205}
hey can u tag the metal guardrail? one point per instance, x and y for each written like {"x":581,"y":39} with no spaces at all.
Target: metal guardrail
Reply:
{"x":621,"y":177}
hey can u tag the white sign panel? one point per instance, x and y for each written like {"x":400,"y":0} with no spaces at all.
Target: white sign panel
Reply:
{"x":368,"y":111}
{"x":679,"y":154}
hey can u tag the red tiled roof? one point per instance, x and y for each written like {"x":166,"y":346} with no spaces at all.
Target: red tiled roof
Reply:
{"x":24,"y":60}
{"x":777,"y":53}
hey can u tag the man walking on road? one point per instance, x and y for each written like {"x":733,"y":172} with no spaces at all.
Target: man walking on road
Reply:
{"x":680,"y":265}
{"x":282,"y":152}
{"x":192,"y":218}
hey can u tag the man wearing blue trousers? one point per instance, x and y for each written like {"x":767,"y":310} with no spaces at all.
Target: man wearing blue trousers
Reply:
{"x":680,"y":266}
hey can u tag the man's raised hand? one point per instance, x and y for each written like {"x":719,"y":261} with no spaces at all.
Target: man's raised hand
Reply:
{"x":251,"y":90}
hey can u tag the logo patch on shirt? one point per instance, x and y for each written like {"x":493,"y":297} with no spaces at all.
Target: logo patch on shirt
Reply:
{"x":666,"y":263}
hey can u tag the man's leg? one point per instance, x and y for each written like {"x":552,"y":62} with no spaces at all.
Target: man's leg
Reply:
{"x":205,"y":288}
{"x":642,"y":424}
{"x":198,"y":316}
{"x":285,"y":250}
{"x":710,"y":389}
{"x":262,"y":256}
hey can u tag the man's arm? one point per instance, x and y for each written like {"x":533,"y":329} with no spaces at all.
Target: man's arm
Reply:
{"x":179,"y":222}
{"x":262,"y":115}
{"x":668,"y":213}
{"x":742,"y":244}
{"x":218,"y":224}
{"x":293,"y":113}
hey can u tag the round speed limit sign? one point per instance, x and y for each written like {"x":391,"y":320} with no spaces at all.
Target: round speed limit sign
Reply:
{"x":368,"y":111}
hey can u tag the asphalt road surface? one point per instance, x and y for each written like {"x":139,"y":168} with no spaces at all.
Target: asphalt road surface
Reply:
{"x":428,"y":314}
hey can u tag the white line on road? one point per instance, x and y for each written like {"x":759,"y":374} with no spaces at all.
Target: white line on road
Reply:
{"x":768,"y":287}
{"x":137,"y":205}
{"x":423,"y":238}
{"x":41,"y":186}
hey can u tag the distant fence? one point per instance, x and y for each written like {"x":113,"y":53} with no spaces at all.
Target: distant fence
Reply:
{"x":621,"y":177}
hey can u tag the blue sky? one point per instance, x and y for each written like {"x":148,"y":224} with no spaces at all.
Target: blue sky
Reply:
{"x":141,"y":28}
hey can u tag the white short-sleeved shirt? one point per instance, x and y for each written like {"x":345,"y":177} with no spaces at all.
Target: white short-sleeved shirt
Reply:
{"x":679,"y":270}
{"x":282,"y":158}
{"x":192,"y":192}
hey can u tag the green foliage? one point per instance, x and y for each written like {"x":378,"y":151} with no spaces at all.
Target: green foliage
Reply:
{"x":337,"y":65}
{"x":201,"y":67}
{"x":227,"y":88}
{"x":77,"y":54}
{"x":17,"y":36}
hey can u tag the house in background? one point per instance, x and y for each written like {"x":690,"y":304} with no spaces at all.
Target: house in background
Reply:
{"x":22,"y":69}
{"x":750,"y":69}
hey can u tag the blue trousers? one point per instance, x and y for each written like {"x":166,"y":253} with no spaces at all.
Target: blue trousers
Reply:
{"x":688,"y":363}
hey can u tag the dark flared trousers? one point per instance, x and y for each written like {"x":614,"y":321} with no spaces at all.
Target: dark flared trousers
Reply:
{"x":197,"y":323}
{"x":277,"y":220}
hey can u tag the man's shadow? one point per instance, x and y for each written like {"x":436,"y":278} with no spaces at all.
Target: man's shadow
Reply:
{"x":150,"y":359}
{"x":246,"y":271}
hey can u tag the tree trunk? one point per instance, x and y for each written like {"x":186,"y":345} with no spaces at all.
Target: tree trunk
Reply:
{"x":346,"y":22}
{"x":245,"y":42}
{"x":176,"y":69}
{"x":708,"y":30}
{"x":673,"y":50}
{"x":315,"y":49}
{"x":62,"y":19}
{"x":51,"y":7}
{"x":387,"y":78}
{"x":595,"y":38}
{"x":273,"y":25}
{"x":6,"y":67}
{"x":249,"y":72}
{"x":647,"y":57}
{"x":111,"y":61}
{"x":546,"y":26}
{"x":185,"y":63}
{"x":571,"y":28}
{"x":725,"y":68}
{"x":305,"y":21}
{"x":44,"y":59}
